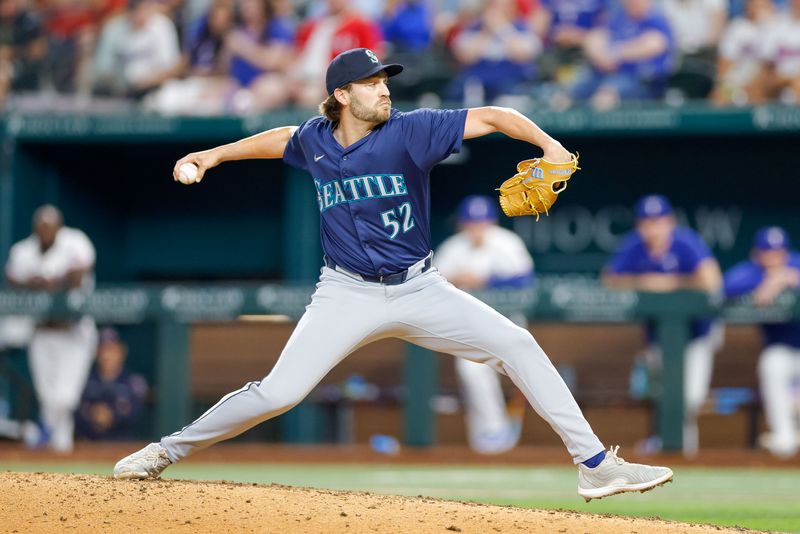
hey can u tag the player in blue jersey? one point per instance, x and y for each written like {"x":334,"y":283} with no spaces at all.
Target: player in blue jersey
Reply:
{"x":370,"y":165}
{"x":661,"y":256}
{"x":772,"y":269}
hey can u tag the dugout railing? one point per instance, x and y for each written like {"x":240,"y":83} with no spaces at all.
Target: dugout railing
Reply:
{"x":174,"y":308}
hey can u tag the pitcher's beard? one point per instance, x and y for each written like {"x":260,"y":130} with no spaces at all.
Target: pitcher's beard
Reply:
{"x":376,"y":115}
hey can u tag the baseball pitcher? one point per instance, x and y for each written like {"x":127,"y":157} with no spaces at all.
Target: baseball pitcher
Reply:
{"x":371,"y":165}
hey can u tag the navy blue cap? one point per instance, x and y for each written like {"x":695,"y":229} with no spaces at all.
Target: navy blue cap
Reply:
{"x":771,"y":238}
{"x":652,"y":206}
{"x":356,"y":64}
{"x":477,"y":208}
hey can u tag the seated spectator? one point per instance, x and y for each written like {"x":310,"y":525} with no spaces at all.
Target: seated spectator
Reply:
{"x":772,"y":269}
{"x":22,"y":49}
{"x":261,"y":48}
{"x":496,"y":54}
{"x":321,"y":39}
{"x":697,"y":26}
{"x":72,"y":27}
{"x":660,"y":256}
{"x":739,"y":55}
{"x":138,"y":51}
{"x":206,"y":38}
{"x":631,"y":58}
{"x":113,"y":397}
{"x":407,"y":26}
{"x":200,"y":82}
{"x":564,"y":25}
{"x":780,"y":72}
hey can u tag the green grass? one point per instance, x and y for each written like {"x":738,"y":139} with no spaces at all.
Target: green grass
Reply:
{"x":762,"y":499}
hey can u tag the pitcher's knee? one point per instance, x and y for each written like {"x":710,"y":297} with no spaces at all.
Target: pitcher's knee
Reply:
{"x":276,"y":397}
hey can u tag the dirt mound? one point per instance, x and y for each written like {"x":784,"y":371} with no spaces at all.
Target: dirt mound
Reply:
{"x":47,"y":502}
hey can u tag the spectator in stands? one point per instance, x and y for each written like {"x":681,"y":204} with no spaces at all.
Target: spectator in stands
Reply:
{"x":697,"y":26}
{"x":321,"y":39}
{"x":631,"y":58}
{"x":772,"y":269}
{"x":22,"y":49}
{"x":660,"y":256}
{"x":113,"y":398}
{"x":206,"y":38}
{"x":261,"y":48}
{"x":496,"y":54}
{"x":780,"y":71}
{"x":56,"y":258}
{"x":407,"y":26}
{"x":138,"y":51}
{"x":739,"y":58}
{"x":200,"y":82}
{"x":72,"y":27}
{"x":563,"y":25}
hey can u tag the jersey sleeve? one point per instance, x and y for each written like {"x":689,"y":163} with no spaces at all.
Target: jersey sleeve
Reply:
{"x":433,"y":134}
{"x":741,"y":279}
{"x":729,"y":42}
{"x":83,"y":252}
{"x":695,"y":251}
{"x":516,"y":265}
{"x":621,"y":262}
{"x":446,"y":258}
{"x":293,"y":154}
{"x":15,"y":268}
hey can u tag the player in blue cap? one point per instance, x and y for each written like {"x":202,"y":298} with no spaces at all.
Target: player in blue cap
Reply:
{"x":371,"y":168}
{"x":661,"y":256}
{"x":772,"y":269}
{"x":484,"y":255}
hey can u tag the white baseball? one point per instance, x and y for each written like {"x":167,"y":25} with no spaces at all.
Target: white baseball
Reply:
{"x":187,"y":173}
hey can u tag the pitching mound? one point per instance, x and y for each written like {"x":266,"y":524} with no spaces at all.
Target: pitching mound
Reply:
{"x":46,"y":502}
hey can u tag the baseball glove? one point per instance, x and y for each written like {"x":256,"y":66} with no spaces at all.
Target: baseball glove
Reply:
{"x":536,"y":186}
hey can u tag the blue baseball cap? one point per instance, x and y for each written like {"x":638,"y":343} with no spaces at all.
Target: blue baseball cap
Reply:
{"x":771,"y":238}
{"x":476,"y":208}
{"x":652,"y":206}
{"x":356,"y":64}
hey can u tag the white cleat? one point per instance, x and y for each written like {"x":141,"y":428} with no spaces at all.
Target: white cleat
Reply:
{"x":615,"y":475}
{"x":145,"y":463}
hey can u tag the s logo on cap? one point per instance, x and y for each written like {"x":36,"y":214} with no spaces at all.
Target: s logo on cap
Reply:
{"x":371,"y":55}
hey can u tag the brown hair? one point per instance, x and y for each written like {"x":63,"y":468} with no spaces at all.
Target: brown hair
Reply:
{"x":330,"y":108}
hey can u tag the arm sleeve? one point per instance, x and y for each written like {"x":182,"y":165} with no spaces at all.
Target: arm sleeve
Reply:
{"x":293,"y":153}
{"x":740,"y":280}
{"x":433,"y":134}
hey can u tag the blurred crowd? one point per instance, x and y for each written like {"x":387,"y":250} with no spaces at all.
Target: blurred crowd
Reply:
{"x":240,"y":56}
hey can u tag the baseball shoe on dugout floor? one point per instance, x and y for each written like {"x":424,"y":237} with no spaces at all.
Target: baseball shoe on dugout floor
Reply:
{"x":615,"y":475}
{"x":148,"y":462}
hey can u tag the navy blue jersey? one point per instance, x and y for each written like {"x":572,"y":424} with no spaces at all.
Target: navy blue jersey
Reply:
{"x":374,"y":196}
{"x":742,"y":279}
{"x":684,"y":256}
